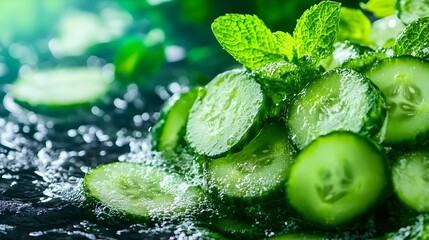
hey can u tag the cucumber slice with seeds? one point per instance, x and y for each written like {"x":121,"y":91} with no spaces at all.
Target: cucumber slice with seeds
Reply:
{"x":65,"y":88}
{"x":403,"y":80}
{"x":139,"y":192}
{"x":169,"y":129}
{"x":228,"y":113}
{"x":337,"y":178}
{"x":341,"y":99}
{"x":410,"y":175}
{"x":255,"y":173}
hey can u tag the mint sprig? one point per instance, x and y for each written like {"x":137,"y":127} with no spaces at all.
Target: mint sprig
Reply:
{"x":252,"y":43}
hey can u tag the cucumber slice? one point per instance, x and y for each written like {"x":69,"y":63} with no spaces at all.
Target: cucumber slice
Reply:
{"x":341,"y":99}
{"x":410,"y":10}
{"x":228,"y":113}
{"x":337,"y":178}
{"x":135,"y":191}
{"x":410,"y":175}
{"x":238,"y":229}
{"x":257,"y":172}
{"x":62,"y":88}
{"x":403,"y":80}
{"x":170,"y":126}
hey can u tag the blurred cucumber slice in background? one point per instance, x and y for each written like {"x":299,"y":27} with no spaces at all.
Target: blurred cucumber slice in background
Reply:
{"x":60,"y":88}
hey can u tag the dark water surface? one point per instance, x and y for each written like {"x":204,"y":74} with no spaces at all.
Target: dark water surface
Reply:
{"x":42,"y":164}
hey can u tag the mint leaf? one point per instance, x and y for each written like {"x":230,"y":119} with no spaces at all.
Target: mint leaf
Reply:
{"x":247,"y":39}
{"x":285,"y":44}
{"x":316,"y":30}
{"x":354,"y":26}
{"x":414,"y":39}
{"x":380,"y":8}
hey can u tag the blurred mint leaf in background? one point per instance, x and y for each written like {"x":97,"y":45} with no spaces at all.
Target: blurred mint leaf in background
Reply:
{"x":316,"y":30}
{"x":140,"y":57}
{"x":379,"y":8}
{"x":354,"y":26}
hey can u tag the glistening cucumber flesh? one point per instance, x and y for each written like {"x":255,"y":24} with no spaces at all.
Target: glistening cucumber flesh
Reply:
{"x":136,"y":191}
{"x":255,"y":173}
{"x":169,"y":128}
{"x":404,"y":82}
{"x":226,"y":115}
{"x":340,"y":99}
{"x":410,"y":175}
{"x":61,"y":88}
{"x":337,"y":178}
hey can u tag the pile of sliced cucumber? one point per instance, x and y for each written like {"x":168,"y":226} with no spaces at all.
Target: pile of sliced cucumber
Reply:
{"x":332,"y":156}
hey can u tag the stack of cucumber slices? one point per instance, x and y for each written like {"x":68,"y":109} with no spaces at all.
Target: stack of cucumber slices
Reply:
{"x":332,"y":154}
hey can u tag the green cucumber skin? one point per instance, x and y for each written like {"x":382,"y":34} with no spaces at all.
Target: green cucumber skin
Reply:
{"x":63,"y":111}
{"x":158,"y":129}
{"x":374,"y":118}
{"x":355,"y":222}
{"x":56,"y":109}
{"x":237,"y":229}
{"x":256,"y":125}
{"x":377,"y":113}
